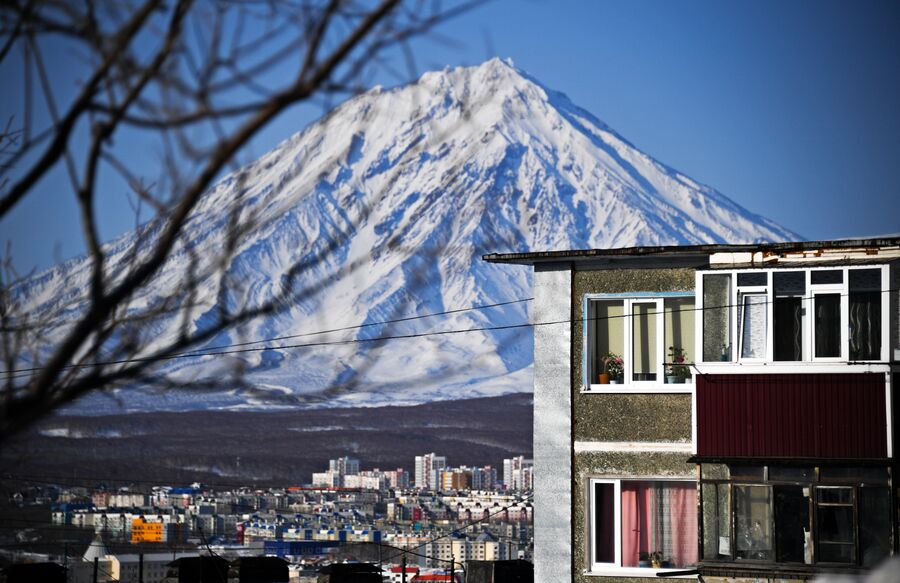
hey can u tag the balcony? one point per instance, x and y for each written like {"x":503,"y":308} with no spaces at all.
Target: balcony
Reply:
{"x":831,"y":416}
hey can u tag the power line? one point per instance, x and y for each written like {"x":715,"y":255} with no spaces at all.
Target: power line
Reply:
{"x":221,"y":349}
{"x":195,"y":354}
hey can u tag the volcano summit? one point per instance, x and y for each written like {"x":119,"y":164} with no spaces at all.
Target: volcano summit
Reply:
{"x":401,"y":192}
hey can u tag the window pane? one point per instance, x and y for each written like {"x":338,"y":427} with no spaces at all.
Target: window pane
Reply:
{"x":789,"y":283}
{"x":753,"y":522}
{"x":865,"y":280}
{"x":865,"y":314}
{"x":716,"y":317}
{"x":714,"y":471}
{"x":791,"y":474}
{"x":659,"y":520}
{"x":679,"y":327}
{"x":792,"y":525}
{"x":748,"y":472}
{"x":644,"y":341}
{"x":752,"y":319}
{"x":788,"y":334}
{"x":716,"y":521}
{"x":866,"y":475}
{"x":835,"y":525}
{"x":609,"y":333}
{"x":828,"y":325}
{"x":874,"y":525}
{"x":836,"y":534}
{"x":604,"y":516}
{"x":752,"y":279}
{"x":830,"y":276}
{"x":835,"y":495}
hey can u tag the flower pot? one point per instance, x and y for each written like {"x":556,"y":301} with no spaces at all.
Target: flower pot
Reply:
{"x":643,"y":563}
{"x":603,"y":378}
{"x":671,"y":379}
{"x":656,"y":564}
{"x":614,"y":381}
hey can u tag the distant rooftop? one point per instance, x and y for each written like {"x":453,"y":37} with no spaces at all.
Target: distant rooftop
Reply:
{"x":96,"y":550}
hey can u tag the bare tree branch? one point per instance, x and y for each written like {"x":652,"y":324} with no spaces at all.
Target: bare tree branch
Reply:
{"x":67,"y":124}
{"x":191,"y":85}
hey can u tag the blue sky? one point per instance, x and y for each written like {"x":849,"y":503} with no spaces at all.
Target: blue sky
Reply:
{"x":789,"y":108}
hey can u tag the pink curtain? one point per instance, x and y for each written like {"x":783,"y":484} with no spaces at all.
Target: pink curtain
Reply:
{"x":659,"y":517}
{"x":683,"y":514}
{"x":637,"y":517}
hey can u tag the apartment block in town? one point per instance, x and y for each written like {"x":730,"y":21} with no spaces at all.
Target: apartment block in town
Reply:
{"x":716,"y":410}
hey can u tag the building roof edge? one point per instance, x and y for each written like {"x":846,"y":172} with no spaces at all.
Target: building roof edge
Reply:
{"x":532,"y":257}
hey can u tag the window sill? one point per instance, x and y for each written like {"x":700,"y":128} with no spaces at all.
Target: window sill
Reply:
{"x":635,"y":572}
{"x":711,"y":568}
{"x":790,"y":367}
{"x":658,"y":388}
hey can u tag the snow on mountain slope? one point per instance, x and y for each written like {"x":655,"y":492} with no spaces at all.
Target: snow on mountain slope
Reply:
{"x":401,"y":191}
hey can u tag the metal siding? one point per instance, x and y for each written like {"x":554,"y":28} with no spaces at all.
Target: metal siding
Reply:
{"x":792,"y":415}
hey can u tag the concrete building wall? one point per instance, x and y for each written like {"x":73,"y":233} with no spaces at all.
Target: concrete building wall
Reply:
{"x":656,"y":427}
{"x":552,"y":425}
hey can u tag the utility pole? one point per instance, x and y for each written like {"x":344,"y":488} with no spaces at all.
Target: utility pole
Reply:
{"x":96,"y":567}
{"x":403,"y":569}
{"x":141,"y":568}
{"x":452,"y":565}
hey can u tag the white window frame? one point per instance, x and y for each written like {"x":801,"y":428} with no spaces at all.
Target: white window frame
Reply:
{"x":628,"y":357}
{"x":823,"y":290}
{"x":615,"y":568}
{"x":808,"y":321}
{"x":617,"y":523}
{"x":766,"y":294}
{"x":629,"y":385}
{"x":805,"y":327}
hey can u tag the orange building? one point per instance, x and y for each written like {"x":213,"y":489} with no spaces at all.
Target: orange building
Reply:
{"x":146,"y":532}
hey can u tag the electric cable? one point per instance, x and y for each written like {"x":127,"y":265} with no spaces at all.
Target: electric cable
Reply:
{"x":221,"y":349}
{"x":23,"y":372}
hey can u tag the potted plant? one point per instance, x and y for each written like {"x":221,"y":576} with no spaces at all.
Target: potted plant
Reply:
{"x":644,"y":559}
{"x":676,"y":369}
{"x":612,"y":368}
{"x":656,"y":559}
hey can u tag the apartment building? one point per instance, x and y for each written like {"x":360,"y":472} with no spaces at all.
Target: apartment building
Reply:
{"x":715,"y":410}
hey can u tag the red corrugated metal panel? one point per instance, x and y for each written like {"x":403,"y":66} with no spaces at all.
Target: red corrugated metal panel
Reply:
{"x":792,"y":415}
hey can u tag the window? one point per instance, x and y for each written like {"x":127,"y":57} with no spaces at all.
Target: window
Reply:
{"x":794,"y":315}
{"x":752,"y":516}
{"x":752,"y":319}
{"x":643,"y":524}
{"x":789,"y":288}
{"x":638,"y":341}
{"x":644,"y":341}
{"x":802,"y":515}
{"x":834,"y":515}
{"x":865,"y":314}
{"x":717,"y":317}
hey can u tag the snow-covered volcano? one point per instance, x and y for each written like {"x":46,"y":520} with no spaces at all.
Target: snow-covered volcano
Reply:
{"x":402,"y":191}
